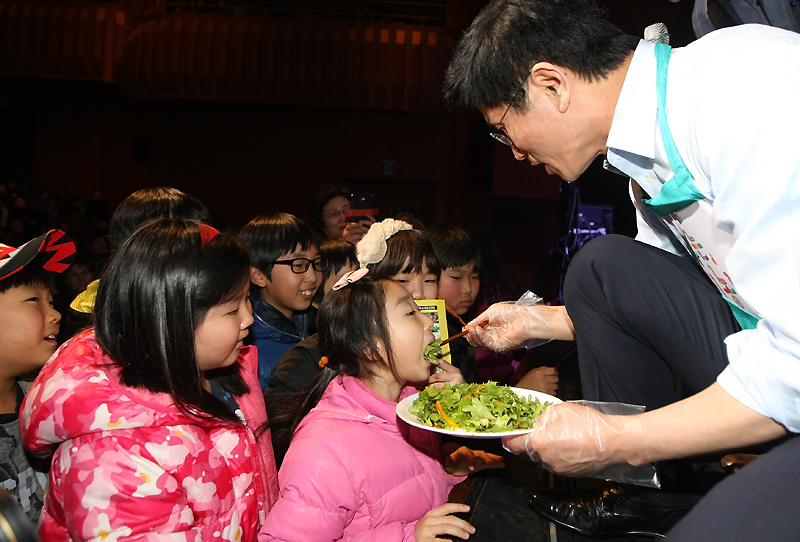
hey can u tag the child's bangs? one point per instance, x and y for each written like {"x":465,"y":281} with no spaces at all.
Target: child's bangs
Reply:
{"x":225,"y":268}
{"x":292,"y":236}
{"x":408,"y":251}
{"x":31,"y":275}
{"x":340,"y":253}
{"x":271,"y":237}
{"x":455,"y":247}
{"x":307,"y":239}
{"x":236,"y":289}
{"x":461,"y":257}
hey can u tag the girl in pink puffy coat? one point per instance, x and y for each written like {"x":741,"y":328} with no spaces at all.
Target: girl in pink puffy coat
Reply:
{"x":149,"y":416}
{"x":354,"y":471}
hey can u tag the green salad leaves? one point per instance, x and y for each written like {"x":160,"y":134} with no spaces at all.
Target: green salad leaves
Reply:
{"x":432,"y":352}
{"x":476,"y":408}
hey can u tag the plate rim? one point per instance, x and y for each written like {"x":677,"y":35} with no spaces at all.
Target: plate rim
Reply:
{"x":404,"y":404}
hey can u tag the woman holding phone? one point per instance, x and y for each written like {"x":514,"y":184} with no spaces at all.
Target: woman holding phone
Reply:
{"x":330,"y":213}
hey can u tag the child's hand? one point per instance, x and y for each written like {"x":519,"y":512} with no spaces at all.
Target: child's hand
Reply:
{"x":543,"y":379}
{"x":465,"y":461}
{"x":439,"y":521}
{"x":451,"y":375}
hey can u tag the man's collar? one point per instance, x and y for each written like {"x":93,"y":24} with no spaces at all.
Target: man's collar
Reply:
{"x":635,"y":115}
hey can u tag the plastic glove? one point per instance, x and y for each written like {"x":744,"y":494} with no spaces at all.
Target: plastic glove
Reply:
{"x":576,"y":439}
{"x":504,"y":326}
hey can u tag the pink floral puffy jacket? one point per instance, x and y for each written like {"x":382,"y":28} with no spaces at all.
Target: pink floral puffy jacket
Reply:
{"x":129,"y":464}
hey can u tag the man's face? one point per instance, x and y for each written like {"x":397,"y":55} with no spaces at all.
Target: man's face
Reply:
{"x":544,"y":135}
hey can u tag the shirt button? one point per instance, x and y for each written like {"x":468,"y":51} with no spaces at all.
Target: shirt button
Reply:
{"x":648,"y":178}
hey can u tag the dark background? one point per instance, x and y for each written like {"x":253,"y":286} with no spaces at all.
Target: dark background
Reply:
{"x":243,"y":156}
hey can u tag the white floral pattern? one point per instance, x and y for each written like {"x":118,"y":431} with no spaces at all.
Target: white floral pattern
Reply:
{"x":129,"y":464}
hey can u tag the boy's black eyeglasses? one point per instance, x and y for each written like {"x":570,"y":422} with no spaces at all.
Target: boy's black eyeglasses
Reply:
{"x":300,"y":265}
{"x":499,"y":133}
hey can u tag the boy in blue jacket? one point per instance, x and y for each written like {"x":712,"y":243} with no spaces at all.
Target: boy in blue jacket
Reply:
{"x":286,"y":270}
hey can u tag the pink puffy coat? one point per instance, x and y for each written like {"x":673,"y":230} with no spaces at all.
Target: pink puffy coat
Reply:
{"x":129,"y":464}
{"x":355,"y":472}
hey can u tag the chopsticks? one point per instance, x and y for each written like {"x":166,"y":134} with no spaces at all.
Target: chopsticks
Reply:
{"x":454,"y":337}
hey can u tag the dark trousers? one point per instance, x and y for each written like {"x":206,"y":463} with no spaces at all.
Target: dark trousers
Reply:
{"x":758,"y":503}
{"x":642,"y":315}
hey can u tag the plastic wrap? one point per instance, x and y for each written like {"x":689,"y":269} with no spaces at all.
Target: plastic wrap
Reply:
{"x":573,"y":441}
{"x":529,"y":299}
{"x":508,"y":325}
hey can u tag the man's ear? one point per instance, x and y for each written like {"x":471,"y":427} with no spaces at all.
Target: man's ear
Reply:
{"x":257,"y":277}
{"x":554,"y":83}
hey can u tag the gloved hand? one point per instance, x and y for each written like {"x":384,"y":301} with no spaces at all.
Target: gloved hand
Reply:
{"x":504,"y":326}
{"x":574,"y":439}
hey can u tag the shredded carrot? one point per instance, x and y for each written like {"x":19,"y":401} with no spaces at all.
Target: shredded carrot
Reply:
{"x":444,"y":416}
{"x":476,"y":389}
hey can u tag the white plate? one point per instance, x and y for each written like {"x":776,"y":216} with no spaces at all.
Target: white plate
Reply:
{"x":406,"y":416}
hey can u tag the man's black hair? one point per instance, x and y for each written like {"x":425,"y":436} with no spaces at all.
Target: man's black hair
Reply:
{"x":508,"y":37}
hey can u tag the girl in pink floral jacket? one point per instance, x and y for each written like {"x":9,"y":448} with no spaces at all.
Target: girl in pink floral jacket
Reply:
{"x":150,"y":416}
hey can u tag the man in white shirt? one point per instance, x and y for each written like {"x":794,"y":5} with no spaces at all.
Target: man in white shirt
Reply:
{"x":706,"y":133}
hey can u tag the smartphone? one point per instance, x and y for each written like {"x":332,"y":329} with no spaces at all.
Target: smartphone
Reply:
{"x":362,"y":205}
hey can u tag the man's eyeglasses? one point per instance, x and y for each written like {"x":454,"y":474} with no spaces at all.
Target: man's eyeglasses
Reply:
{"x":499,"y":133}
{"x":301,"y":265}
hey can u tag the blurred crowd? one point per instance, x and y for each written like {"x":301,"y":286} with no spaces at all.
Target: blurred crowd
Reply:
{"x":83,"y":217}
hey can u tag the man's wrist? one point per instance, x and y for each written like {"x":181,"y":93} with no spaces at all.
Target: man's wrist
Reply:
{"x":627,"y":444}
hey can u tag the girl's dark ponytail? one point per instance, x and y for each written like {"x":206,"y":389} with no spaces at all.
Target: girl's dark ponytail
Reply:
{"x":287,"y":409}
{"x":313,"y":395}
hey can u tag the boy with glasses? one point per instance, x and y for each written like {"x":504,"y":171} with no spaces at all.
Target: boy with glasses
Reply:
{"x":298,"y":367}
{"x":286,"y":270}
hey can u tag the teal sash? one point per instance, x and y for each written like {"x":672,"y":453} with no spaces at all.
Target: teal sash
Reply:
{"x":679,"y":191}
